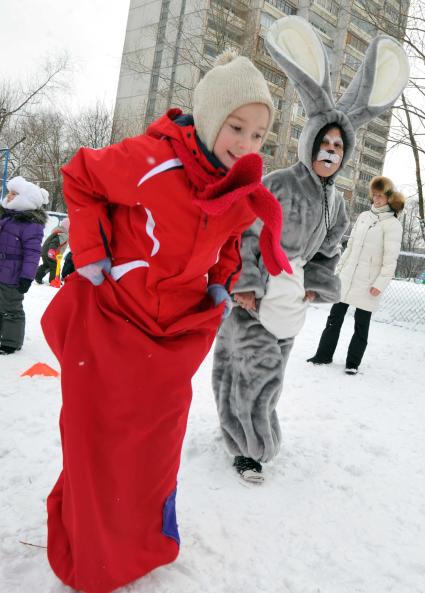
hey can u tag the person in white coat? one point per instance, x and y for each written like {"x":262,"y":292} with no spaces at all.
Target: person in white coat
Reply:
{"x":365,"y":270}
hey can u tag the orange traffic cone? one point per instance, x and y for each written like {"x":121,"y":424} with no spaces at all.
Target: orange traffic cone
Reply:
{"x":40,"y":369}
{"x":56,"y":282}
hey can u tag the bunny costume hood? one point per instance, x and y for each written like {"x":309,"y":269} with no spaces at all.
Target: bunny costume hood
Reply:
{"x":299,"y":52}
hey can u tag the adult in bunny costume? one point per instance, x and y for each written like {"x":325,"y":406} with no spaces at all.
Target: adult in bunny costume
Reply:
{"x":254,"y":343}
{"x":21,"y":231}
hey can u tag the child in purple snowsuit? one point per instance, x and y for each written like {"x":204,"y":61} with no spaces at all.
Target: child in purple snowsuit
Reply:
{"x":21,"y":231}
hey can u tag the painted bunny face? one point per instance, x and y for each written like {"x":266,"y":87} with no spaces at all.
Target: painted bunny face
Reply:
{"x":331,"y":152}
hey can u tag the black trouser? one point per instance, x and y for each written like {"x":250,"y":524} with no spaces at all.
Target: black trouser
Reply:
{"x":330,"y":335}
{"x":12,"y":317}
{"x":48,"y":265}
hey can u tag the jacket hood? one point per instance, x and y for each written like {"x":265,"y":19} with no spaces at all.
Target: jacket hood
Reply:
{"x":167,"y":126}
{"x":173,"y":125}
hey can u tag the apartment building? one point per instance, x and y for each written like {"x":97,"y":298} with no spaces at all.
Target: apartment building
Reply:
{"x":169,"y":45}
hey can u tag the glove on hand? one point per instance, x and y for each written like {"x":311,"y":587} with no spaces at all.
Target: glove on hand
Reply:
{"x":94,"y":271}
{"x":24,"y":285}
{"x":219,"y":295}
{"x":51,"y":254}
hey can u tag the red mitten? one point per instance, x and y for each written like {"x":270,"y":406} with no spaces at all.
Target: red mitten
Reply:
{"x":51,"y":254}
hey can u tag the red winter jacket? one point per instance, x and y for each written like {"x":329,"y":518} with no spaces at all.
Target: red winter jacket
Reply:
{"x":133,"y":201}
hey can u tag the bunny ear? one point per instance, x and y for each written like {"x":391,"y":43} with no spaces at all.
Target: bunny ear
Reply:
{"x":294,"y":45}
{"x":377,"y":84}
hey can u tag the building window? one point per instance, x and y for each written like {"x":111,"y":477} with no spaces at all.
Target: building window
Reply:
{"x":364,"y":24}
{"x":348,"y":172}
{"x":296,"y":131}
{"x":283,"y":6}
{"x":353,"y":62}
{"x":269,"y":149}
{"x":394,"y":14}
{"x":378,"y":149}
{"x":356,"y":42}
{"x":322,"y":24}
{"x":225,"y":33}
{"x":344,"y":82}
{"x":328,"y":5}
{"x":367,"y":160}
{"x":292,"y":157}
{"x":277,"y":101}
{"x":377,"y":130}
{"x":300,"y":110}
{"x":273,"y":76}
{"x":210,"y":49}
{"x":363,"y":176}
{"x":267,"y":20}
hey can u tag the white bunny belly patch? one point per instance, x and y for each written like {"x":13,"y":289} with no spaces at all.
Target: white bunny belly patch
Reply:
{"x":283,"y":309}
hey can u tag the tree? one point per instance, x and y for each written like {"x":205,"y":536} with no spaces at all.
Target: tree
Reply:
{"x":91,"y":127}
{"x":407,"y":23}
{"x":18,"y":102}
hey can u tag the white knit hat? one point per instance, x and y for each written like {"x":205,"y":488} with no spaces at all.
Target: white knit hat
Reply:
{"x":29,"y":196}
{"x":234,"y":81}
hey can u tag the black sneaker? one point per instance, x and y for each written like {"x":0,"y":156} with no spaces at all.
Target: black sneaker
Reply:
{"x":7,"y":350}
{"x":317,"y":360}
{"x":351,"y":371}
{"x":249,"y":469}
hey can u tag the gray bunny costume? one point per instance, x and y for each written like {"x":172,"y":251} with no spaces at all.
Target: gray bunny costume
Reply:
{"x":252,"y":348}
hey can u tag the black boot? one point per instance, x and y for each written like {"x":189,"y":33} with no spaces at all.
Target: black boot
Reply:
{"x":7,"y":350}
{"x":318,"y":360}
{"x":249,"y":469}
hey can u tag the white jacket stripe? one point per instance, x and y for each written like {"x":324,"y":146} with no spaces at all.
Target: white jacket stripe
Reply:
{"x":150,"y":225}
{"x":170,"y":164}
{"x":118,"y":272}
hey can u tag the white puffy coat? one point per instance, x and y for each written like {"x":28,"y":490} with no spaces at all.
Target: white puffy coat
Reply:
{"x":370,"y":258}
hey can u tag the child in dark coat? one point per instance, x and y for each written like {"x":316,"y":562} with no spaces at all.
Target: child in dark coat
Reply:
{"x":55,"y":244}
{"x":21,"y":231}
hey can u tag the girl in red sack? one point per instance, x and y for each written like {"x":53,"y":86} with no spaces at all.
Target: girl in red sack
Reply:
{"x":155,"y":230}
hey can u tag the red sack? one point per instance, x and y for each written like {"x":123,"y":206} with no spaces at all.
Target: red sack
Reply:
{"x":126,"y":386}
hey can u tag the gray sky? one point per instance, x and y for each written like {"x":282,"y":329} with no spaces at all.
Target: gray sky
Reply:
{"x":92,"y":33}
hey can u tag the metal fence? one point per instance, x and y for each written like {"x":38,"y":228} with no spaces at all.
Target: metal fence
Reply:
{"x":403,"y":301}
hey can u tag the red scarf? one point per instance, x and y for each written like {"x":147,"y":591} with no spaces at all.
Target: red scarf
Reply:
{"x":214,"y":196}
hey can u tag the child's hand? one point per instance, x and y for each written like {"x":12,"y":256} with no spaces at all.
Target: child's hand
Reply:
{"x":219,"y":295}
{"x":24,"y":285}
{"x":310,"y":295}
{"x":375,"y":291}
{"x":246,"y":300}
{"x":94,"y":271}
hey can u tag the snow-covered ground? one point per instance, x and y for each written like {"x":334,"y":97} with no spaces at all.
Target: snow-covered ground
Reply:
{"x":342,"y":509}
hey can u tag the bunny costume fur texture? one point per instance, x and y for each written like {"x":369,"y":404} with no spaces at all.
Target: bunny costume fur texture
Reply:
{"x":252,"y":348}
